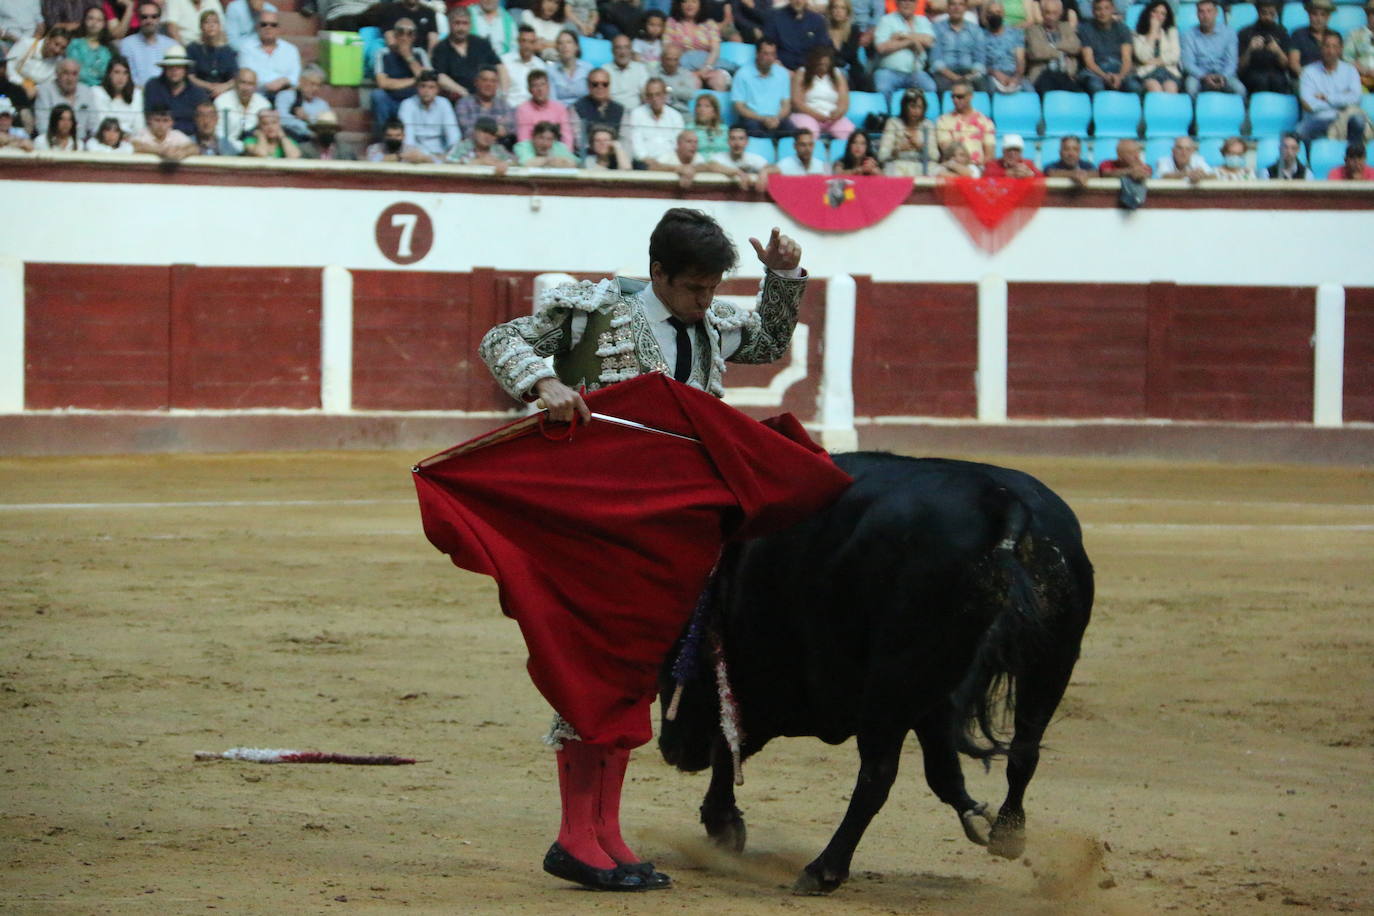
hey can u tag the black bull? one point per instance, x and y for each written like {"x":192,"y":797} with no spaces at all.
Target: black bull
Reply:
{"x":938,"y":596}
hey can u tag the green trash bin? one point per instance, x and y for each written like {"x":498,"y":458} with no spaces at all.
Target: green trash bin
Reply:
{"x":341,"y":55}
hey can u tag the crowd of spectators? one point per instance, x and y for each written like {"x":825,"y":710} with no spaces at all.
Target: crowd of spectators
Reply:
{"x":503,"y":82}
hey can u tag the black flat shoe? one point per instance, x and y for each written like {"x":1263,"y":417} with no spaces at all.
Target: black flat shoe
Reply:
{"x":561,"y":864}
{"x":652,"y":876}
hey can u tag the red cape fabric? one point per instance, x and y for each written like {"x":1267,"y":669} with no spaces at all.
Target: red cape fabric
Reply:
{"x":841,"y":203}
{"x":601,"y":542}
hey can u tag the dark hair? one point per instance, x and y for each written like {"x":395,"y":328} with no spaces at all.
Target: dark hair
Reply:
{"x":427,"y":76}
{"x":675,"y":11}
{"x":127,"y":93}
{"x":104,"y":38}
{"x":393,"y":122}
{"x":158,"y":110}
{"x":1213,"y":2}
{"x":59,"y":31}
{"x":765,"y":41}
{"x":111,"y":122}
{"x":1355,"y":150}
{"x":714,"y":102}
{"x":527,"y":28}
{"x":547,"y":127}
{"x":56,"y":118}
{"x":559,"y":14}
{"x":813,"y":60}
{"x":534,"y":75}
{"x":851,"y":161}
{"x":690,"y":241}
{"x":910,"y":98}
{"x":1142,"y":25}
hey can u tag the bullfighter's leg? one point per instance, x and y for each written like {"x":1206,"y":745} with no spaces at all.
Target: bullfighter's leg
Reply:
{"x":880,"y":752}
{"x":724,"y":822}
{"x":1037,"y":695}
{"x":944,"y":775}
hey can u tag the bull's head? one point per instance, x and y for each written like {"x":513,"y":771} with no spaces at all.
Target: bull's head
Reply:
{"x":685,"y":741}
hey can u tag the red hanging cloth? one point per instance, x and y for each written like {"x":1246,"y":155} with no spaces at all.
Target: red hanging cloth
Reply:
{"x":601,"y":542}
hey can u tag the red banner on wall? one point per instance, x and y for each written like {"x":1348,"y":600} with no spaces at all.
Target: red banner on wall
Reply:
{"x":838,"y":203}
{"x":992,"y":210}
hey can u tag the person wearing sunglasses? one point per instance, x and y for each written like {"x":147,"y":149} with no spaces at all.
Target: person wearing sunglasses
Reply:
{"x":597,"y":108}
{"x":276,"y":62}
{"x":145,"y":48}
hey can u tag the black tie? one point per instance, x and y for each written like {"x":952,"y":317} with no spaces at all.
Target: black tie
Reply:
{"x":683,"y":370}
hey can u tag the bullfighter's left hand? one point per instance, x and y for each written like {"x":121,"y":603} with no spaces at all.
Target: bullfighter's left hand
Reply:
{"x":782,"y":253}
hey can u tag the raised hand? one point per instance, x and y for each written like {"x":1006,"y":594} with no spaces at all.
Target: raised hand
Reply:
{"x":782,"y":252}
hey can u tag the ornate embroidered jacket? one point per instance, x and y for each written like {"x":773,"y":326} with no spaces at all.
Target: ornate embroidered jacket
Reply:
{"x":598,"y":334}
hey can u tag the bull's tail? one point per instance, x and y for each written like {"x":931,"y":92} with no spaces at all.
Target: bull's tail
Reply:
{"x":985,"y":701}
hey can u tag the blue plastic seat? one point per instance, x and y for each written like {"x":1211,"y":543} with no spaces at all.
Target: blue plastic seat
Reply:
{"x":787,"y":146}
{"x":1345,"y":19}
{"x":1325,"y":155}
{"x":1219,"y":114}
{"x":1185,"y":17}
{"x":863,"y":104}
{"x":372,"y":43}
{"x":1294,"y":16}
{"x":737,"y":52}
{"x":1132,"y":15}
{"x":1157,"y":148}
{"x":595,"y":51}
{"x":1242,"y":15}
{"x":1210,"y":148}
{"x":1167,"y":114}
{"x":762,"y":146}
{"x":727,"y":109}
{"x":1067,"y":113}
{"x":1367,"y":104}
{"x":1017,"y":113}
{"x":1116,"y":114}
{"x":932,"y":104}
{"x":1272,"y":113}
{"x":981,"y":102}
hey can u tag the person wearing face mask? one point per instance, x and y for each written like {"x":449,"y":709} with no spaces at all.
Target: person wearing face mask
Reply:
{"x":1234,"y":166}
{"x":1004,"y":51}
{"x":393,"y":147}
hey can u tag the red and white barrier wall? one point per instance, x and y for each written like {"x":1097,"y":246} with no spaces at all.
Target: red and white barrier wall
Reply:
{"x":222,"y":308}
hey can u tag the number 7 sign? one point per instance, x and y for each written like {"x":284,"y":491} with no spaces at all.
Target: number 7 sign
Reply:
{"x":405,"y":233}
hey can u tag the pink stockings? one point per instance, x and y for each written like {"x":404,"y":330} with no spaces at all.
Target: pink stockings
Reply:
{"x":590,"y":777}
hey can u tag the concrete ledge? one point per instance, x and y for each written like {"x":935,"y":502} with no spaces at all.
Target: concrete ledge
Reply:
{"x":118,"y":433}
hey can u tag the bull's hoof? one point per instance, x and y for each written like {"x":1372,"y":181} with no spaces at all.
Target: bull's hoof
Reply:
{"x":977,"y":824}
{"x":814,"y":881}
{"x":725,"y":828}
{"x":1008,"y":838}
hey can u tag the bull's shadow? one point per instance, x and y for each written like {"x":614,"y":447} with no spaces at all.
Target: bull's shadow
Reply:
{"x":942,"y":597}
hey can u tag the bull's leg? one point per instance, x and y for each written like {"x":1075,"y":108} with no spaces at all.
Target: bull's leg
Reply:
{"x":1037,"y":695}
{"x":724,"y":822}
{"x":880,"y":753}
{"x":944,"y":775}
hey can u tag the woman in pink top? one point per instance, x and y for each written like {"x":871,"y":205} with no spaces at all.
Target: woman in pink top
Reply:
{"x":700,"y":41}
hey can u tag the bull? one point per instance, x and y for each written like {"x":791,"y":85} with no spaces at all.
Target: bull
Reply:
{"x":942,"y":597}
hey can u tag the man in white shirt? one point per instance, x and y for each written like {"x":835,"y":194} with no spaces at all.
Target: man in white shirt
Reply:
{"x":519,"y":64}
{"x":748,"y":168}
{"x":66,"y":89}
{"x":429,"y":120}
{"x":277,"y":63}
{"x":1184,"y":161}
{"x":651,"y":129}
{"x":238,"y":110}
{"x":628,"y":76}
{"x":686,"y":162}
{"x":1330,"y":94}
{"x":804,"y":160}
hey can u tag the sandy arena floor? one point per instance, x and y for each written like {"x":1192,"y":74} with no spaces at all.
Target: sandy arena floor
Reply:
{"x":1215,"y":753}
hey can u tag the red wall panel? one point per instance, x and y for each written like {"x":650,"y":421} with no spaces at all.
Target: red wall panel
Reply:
{"x":1076,"y":350}
{"x":96,"y":337}
{"x":1242,"y":353}
{"x":1359,"y":354}
{"x":915,"y":349}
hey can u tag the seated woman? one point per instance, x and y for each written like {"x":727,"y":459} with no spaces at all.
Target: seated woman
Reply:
{"x":712,"y":134}
{"x":109,"y":137}
{"x":60,"y":136}
{"x":1155,"y":48}
{"x":1234,"y":166}
{"x":93,"y":48}
{"x":820,"y":95}
{"x":604,"y":152}
{"x":858,"y":158}
{"x":908,"y":146}
{"x":216,"y":62}
{"x":568,"y":77}
{"x":647,"y":46}
{"x":118,"y":97}
{"x":845,"y":38}
{"x":699,"y":37}
{"x":547,"y":18}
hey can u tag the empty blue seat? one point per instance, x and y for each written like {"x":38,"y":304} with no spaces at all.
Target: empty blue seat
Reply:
{"x":1017,"y":113}
{"x":1132,"y":15}
{"x":1167,"y":114}
{"x":863,"y":104}
{"x":737,"y":52}
{"x":1325,"y":155}
{"x":595,"y":51}
{"x":981,"y":102}
{"x":1067,"y":113}
{"x":1346,"y":19}
{"x":786,"y":147}
{"x":1294,"y":16}
{"x":727,"y":109}
{"x":932,"y":104}
{"x":1272,"y":113}
{"x":1242,"y":15}
{"x":1219,"y":114}
{"x":1157,"y":149}
{"x":1185,"y":17}
{"x":1367,"y":103}
{"x":1210,"y":148}
{"x":1116,"y":114}
{"x":762,"y":146}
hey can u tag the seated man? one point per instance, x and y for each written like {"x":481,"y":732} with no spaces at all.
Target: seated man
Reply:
{"x":324,"y":142}
{"x":421,"y":16}
{"x":160,"y":138}
{"x":1263,"y":62}
{"x":1106,"y":52}
{"x":238,"y":110}
{"x":66,"y":89}
{"x":686,"y":161}
{"x":482,"y":148}
{"x":303,"y":106}
{"x":597,"y":108}
{"x":544,"y":149}
{"x":207,"y":135}
{"x":459,"y":58}
{"x":628,"y":76}
{"x":901,"y":41}
{"x":1012,"y":164}
{"x":1359,"y":48}
{"x":1071,"y":163}
{"x":520,"y":63}
{"x":486,"y":102}
{"x":1184,"y":161}
{"x":1355,"y":168}
{"x":1288,"y":167}
{"x":1330,"y":96}
{"x":1052,"y":50}
{"x":958,"y":53}
{"x":803,"y":160}
{"x":795,"y":29}
{"x":144,"y":48}
{"x":1209,"y":54}
{"x":277,"y":63}
{"x":541,"y":106}
{"x":651,"y":129}
{"x":1127,"y":163}
{"x":749,"y":168}
{"x":682,"y":83}
{"x":394,"y":148}
{"x":174,"y":91}
{"x":1307,"y":40}
{"x":429,"y":119}
{"x":396,"y":70}
{"x":1004,"y":51}
{"x":967,"y":126}
{"x":762,"y":94}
